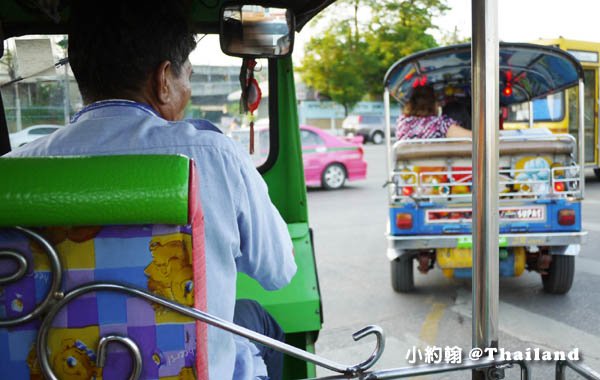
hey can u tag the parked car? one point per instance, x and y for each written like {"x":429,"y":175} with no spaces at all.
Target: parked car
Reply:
{"x":370,"y":127}
{"x":29,"y":134}
{"x":329,"y":161}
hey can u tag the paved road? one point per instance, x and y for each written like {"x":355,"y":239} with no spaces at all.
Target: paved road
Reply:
{"x":349,"y":227}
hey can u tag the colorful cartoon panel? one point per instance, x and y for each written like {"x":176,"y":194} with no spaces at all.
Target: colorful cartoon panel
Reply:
{"x":157,"y":258}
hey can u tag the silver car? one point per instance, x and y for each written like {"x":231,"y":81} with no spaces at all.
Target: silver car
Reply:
{"x":370,"y":127}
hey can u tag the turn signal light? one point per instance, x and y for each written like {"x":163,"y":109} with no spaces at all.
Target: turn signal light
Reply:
{"x":566,"y":217}
{"x":404,"y":221}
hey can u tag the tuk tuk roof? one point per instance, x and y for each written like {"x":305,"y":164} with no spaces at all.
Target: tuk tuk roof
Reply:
{"x":19,"y":17}
{"x":527,"y":72}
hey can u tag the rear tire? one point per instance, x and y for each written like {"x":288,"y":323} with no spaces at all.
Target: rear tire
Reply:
{"x":333,"y":177}
{"x":402,"y":274}
{"x":377,"y":138}
{"x":560,"y":275}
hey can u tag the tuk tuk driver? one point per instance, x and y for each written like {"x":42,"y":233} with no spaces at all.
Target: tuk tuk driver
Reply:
{"x":130,"y":60}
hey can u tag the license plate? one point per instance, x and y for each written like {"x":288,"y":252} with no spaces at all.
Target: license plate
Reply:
{"x":505,"y":214}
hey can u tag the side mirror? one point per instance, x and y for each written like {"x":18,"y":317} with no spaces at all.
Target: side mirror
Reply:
{"x":254,"y":31}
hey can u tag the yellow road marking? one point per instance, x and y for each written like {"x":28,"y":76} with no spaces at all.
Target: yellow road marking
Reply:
{"x":429,"y":329}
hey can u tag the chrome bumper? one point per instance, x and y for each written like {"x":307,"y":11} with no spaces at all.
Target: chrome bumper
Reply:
{"x":415,"y":242}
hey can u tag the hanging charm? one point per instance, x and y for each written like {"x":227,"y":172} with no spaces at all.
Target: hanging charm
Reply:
{"x":251,"y":94}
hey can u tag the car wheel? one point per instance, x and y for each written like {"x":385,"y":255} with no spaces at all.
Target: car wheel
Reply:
{"x":377,"y":138}
{"x":402,"y":274}
{"x":333,"y":177}
{"x":560,"y":275}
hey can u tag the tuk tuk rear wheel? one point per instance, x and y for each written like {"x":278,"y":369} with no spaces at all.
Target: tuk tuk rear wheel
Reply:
{"x":402,"y":274}
{"x":561,"y":273}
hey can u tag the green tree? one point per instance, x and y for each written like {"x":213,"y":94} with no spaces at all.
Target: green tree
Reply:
{"x":394,"y":30}
{"x":331,"y":66}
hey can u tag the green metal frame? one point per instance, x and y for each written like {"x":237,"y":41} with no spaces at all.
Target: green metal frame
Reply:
{"x":297,"y":307}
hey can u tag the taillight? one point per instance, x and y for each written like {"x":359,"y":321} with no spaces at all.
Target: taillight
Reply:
{"x":404,"y":221}
{"x":407,"y":191}
{"x":559,"y":187}
{"x":361,"y":151}
{"x":566,"y":217}
{"x":360,"y":119}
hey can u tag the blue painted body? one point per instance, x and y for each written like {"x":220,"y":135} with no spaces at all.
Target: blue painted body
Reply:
{"x":550,"y":224}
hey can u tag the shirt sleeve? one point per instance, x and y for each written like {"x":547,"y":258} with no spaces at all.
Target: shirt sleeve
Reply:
{"x":265,"y":243}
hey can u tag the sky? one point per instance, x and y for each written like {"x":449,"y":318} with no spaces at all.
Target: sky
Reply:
{"x":528,"y":20}
{"x":518,"y":21}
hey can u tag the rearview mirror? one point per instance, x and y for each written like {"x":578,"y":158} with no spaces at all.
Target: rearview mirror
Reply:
{"x":254,"y":31}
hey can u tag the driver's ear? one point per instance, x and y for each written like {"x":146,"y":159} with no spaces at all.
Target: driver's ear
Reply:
{"x":162,"y":84}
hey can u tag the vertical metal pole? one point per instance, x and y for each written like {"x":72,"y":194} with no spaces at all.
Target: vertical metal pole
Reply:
{"x":67,"y":96}
{"x":531,"y":114}
{"x":485,"y":93}
{"x":581,"y":138}
{"x":388,"y":134}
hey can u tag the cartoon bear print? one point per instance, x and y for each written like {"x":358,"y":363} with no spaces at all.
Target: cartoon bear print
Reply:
{"x":170,"y":274}
{"x":75,"y":361}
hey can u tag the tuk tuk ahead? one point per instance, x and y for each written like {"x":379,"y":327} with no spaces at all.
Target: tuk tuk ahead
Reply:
{"x":541,"y":181}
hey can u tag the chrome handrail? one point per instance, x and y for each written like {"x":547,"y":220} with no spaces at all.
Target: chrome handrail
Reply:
{"x":55,"y":300}
{"x":55,"y":268}
{"x":580,"y":368}
{"x":348,"y":370}
{"x":494,"y":369}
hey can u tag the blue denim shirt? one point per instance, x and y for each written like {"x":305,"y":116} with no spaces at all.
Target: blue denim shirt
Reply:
{"x":244,"y":231}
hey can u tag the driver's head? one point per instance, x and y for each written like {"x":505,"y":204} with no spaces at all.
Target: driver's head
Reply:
{"x":132,"y":49}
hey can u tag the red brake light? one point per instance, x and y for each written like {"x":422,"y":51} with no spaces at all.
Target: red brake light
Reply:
{"x":359,"y":119}
{"x":407,"y":191}
{"x":566,"y":217}
{"x":361,"y":151}
{"x":507,"y":90}
{"x":559,"y":187}
{"x":404,"y":221}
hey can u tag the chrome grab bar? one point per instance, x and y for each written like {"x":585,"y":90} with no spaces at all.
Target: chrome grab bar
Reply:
{"x":580,"y":368}
{"x":129,"y":344}
{"x":55,"y":301}
{"x":494,"y":370}
{"x":55,"y":269}
{"x":348,"y":370}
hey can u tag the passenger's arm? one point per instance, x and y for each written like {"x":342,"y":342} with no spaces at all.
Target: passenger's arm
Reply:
{"x":456,"y":130}
{"x":265,"y":243}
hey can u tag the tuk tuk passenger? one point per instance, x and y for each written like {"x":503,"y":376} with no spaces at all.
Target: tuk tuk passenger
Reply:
{"x":421,"y":121}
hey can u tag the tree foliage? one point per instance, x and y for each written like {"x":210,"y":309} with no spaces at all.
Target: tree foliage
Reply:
{"x":349,"y":60}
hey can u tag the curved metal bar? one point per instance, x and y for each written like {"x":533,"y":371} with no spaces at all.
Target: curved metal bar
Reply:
{"x":42,"y":339}
{"x":431,"y":369}
{"x":376,"y":354}
{"x":21,"y":262}
{"x":579,"y":368}
{"x":131,"y":346}
{"x":53,"y":292}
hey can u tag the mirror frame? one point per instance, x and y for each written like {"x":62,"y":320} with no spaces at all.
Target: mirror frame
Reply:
{"x":265,"y":5}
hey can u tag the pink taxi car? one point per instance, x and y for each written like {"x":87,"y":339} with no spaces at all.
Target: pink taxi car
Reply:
{"x":329,"y":161}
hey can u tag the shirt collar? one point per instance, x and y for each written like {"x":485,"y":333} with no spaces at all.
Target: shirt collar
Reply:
{"x":87,"y":111}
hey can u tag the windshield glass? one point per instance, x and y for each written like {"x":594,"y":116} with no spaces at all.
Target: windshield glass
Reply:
{"x":48,"y":94}
{"x":550,"y":108}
